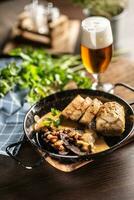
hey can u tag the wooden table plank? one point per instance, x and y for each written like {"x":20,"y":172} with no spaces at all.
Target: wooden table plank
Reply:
{"x":111,"y":178}
{"x":121,"y":70}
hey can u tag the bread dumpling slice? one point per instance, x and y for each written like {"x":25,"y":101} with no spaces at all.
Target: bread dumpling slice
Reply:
{"x":76,"y":108}
{"x":91,"y":111}
{"x":110,"y":119}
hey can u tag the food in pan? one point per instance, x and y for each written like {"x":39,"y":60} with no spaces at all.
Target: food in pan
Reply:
{"x":76,"y":108}
{"x":91,"y":111}
{"x":79,"y":129}
{"x":110,"y":119}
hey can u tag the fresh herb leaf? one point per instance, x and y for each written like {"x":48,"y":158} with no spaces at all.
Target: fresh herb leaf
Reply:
{"x":41,"y":74}
{"x":57,"y":122}
{"x":46,"y":123}
{"x":51,"y":122}
{"x":54,"y":111}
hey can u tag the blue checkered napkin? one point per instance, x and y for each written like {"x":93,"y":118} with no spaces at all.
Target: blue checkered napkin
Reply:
{"x":12,"y":111}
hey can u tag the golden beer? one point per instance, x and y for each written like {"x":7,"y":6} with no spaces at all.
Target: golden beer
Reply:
{"x":96,"y":60}
{"x":96,"y":44}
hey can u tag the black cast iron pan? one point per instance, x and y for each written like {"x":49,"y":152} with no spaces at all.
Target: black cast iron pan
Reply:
{"x":60,"y":100}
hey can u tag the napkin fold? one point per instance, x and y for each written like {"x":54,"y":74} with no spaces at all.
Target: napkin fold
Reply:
{"x":12,"y":112}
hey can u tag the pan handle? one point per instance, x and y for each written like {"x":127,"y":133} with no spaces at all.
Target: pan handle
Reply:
{"x":38,"y":163}
{"x":123,"y":85}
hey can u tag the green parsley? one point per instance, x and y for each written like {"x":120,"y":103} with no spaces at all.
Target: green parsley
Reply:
{"x":54,"y":111}
{"x":51,"y":122}
{"x":57,"y":122}
{"x":42,"y":74}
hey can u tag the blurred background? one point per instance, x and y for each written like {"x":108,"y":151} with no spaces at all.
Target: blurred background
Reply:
{"x":16,"y":28}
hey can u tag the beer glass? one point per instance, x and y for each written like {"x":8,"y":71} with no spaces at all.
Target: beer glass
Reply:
{"x":96,"y":48}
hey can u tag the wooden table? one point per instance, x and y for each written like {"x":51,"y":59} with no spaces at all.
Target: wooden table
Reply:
{"x":121,"y":69}
{"x":110,"y":178}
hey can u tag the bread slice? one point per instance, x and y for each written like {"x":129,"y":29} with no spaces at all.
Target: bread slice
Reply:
{"x":91,"y":111}
{"x":76,"y":108}
{"x":110,"y":119}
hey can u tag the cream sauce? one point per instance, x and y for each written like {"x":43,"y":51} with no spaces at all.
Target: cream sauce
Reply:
{"x":99,"y":145}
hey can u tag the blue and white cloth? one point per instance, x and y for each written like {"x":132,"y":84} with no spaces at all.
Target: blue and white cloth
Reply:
{"x":12,"y":112}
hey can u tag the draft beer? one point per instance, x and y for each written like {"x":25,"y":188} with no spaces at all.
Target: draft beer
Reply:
{"x":96,"y":44}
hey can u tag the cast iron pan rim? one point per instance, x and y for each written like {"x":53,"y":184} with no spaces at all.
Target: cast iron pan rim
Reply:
{"x":94,"y":155}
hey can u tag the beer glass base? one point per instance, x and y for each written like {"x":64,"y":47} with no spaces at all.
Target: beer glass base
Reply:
{"x":106,"y":87}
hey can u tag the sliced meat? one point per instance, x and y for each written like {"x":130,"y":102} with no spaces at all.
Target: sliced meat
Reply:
{"x":91,"y":111}
{"x":76,"y":108}
{"x":111,"y":119}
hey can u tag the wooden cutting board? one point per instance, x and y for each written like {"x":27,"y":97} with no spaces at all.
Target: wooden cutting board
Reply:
{"x":62,"y":46}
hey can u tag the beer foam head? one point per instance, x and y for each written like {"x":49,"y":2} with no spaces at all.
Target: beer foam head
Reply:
{"x":96,"y":33}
